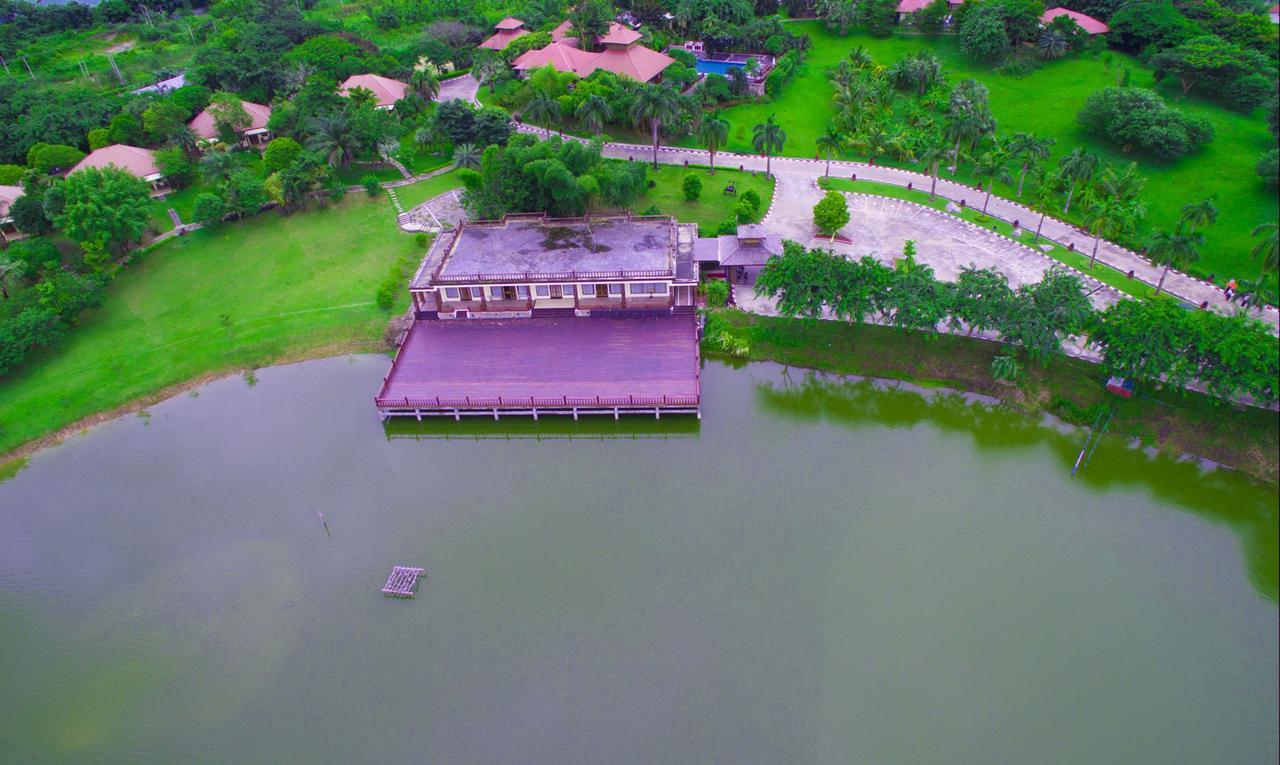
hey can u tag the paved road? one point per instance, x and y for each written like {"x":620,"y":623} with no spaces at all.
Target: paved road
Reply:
{"x":791,"y":211}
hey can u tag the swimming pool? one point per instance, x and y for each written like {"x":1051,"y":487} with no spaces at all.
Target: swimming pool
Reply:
{"x":708,"y":66}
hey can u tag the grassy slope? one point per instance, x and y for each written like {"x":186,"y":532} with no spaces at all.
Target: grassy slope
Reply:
{"x":241,"y":295}
{"x":713,"y":207}
{"x":1045,"y":103}
{"x":416,"y":193}
{"x":1192,"y":423}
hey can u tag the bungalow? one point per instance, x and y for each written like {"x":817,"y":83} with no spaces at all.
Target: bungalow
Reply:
{"x":620,"y":53}
{"x":1088,"y":23}
{"x":740,"y":255}
{"x":503,"y":33}
{"x":256,"y":133}
{"x":908,"y":8}
{"x":386,"y":91}
{"x":8,"y":231}
{"x":530,"y":315}
{"x":133,"y":160}
{"x":1275,"y":13}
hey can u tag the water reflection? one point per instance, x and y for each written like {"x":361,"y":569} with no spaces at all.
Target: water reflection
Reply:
{"x":588,"y":428}
{"x":1222,"y":496}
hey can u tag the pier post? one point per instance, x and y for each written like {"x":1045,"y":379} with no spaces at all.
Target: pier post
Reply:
{"x":456,"y":417}
{"x":615,"y":413}
{"x":575,"y":413}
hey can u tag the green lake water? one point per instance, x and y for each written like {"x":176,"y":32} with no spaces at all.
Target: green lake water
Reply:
{"x":818,"y":572}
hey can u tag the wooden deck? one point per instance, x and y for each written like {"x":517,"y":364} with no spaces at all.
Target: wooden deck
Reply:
{"x":587,"y":365}
{"x":403,"y":582}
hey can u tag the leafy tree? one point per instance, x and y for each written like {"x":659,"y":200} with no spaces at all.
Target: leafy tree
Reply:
{"x":713,"y":132}
{"x":245,"y":193}
{"x":1137,"y":116}
{"x":29,"y":215}
{"x":655,"y":105}
{"x":1043,"y":313}
{"x":1268,"y":168}
{"x":915,"y":299}
{"x":1180,"y":248}
{"x":125,"y":128}
{"x":10,"y":175}
{"x":768,"y":138}
{"x":209,"y":208}
{"x":229,"y":116}
{"x":175,"y":167}
{"x":162,"y":120}
{"x":280,"y":153}
{"x":1143,"y":340}
{"x":456,"y":120}
{"x":982,"y":33}
{"x":37,"y":253}
{"x":691,"y":186}
{"x":930,"y":18}
{"x":104,"y":210}
{"x":590,"y":19}
{"x":878,"y":16}
{"x":980,"y":300}
{"x":1221,"y":65}
{"x":217,"y":165}
{"x":46,"y":158}
{"x":801,"y":280}
{"x":489,"y":71}
{"x":831,"y":213}
{"x":1157,"y":23}
{"x":98,"y":138}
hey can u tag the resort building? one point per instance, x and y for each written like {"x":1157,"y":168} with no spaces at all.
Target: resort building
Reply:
{"x":530,"y":315}
{"x":131,"y":159}
{"x":620,"y":53}
{"x":256,"y":133}
{"x":1088,"y":23}
{"x":1275,"y":13}
{"x":741,"y":255}
{"x":908,"y":8}
{"x":386,"y":91}
{"x":8,"y":231}
{"x":504,"y":32}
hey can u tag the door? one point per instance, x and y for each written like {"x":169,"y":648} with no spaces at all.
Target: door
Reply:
{"x":684,"y":295}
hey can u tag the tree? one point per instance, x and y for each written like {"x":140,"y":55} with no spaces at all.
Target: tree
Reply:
{"x":1053,"y":44}
{"x":1197,"y":214}
{"x":933,"y":155}
{"x":245,"y":193}
{"x":992,"y":166}
{"x":1267,"y":249}
{"x":831,"y":141}
{"x":1077,"y":168}
{"x":466,"y":155}
{"x":1268,"y":168}
{"x":229,"y":116}
{"x":968,"y":115}
{"x":98,"y":138}
{"x":489,"y":71}
{"x":874,"y":141}
{"x":1043,"y":195}
{"x":692,"y":187}
{"x":1143,"y":340}
{"x":10,"y":268}
{"x":29,"y":215}
{"x":1139,"y":117}
{"x":655,"y":104}
{"x":46,"y":158}
{"x":217,"y":165}
{"x":831,"y":213}
{"x":980,"y":299}
{"x":915,"y":298}
{"x":801,"y":280}
{"x":768,"y":138}
{"x":1042,"y":314}
{"x":543,"y":111}
{"x":1173,"y":249}
{"x":713,"y":131}
{"x":331,"y":136}
{"x":424,"y":84}
{"x":1213,"y":61}
{"x":104,"y":210}
{"x":982,"y":33}
{"x":209,"y":209}
{"x":1108,"y":215}
{"x":1028,"y":150}
{"x":594,"y":112}
{"x":590,"y":19}
{"x":280,"y":153}
{"x":175,"y":167}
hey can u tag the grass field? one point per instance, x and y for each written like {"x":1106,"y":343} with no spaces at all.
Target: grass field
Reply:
{"x":415,"y":194}
{"x":714,"y":206}
{"x":241,"y":295}
{"x":1045,"y":103}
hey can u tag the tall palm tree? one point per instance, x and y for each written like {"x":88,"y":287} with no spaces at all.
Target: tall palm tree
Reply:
{"x":542,"y":110}
{"x":331,"y":135}
{"x":860,"y":58}
{"x":361,"y":97}
{"x":831,"y":141}
{"x":655,"y":105}
{"x":874,"y":142}
{"x":1267,"y":250}
{"x":933,"y":155}
{"x":1173,"y":249}
{"x":425,"y":84}
{"x":593,"y":112}
{"x":1028,"y":150}
{"x":1043,"y":195}
{"x":713,"y":132}
{"x":1105,"y":215}
{"x":466,"y":155}
{"x":1077,"y":168}
{"x":9,"y":269}
{"x":1053,"y":44}
{"x":992,"y":166}
{"x":217,"y":165}
{"x":1197,"y":214}
{"x":768,"y":138}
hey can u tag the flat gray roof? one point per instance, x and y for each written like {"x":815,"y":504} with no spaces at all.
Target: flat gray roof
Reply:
{"x":551,"y":247}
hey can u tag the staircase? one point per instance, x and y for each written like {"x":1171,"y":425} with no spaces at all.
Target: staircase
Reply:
{"x":553,"y":313}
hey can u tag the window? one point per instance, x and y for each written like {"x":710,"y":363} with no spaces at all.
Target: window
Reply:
{"x":587,"y":290}
{"x":543,"y":290}
{"x":648,"y":288}
{"x":522,"y":292}
{"x":495,"y":292}
{"x":615,"y":289}
{"x":602,"y":290}
{"x":451,"y":293}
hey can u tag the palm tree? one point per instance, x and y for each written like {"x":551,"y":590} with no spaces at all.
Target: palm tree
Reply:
{"x":542,"y":110}
{"x":1267,"y":250}
{"x":875,"y":141}
{"x":1053,"y":44}
{"x":713,"y":132}
{"x":361,"y":97}
{"x":1168,"y":250}
{"x":992,"y":166}
{"x":831,"y":141}
{"x":655,"y":104}
{"x":593,"y":112}
{"x":767,"y":138}
{"x":185,"y":140}
{"x":860,"y":58}
{"x":1106,"y":214}
{"x":9,"y":269}
{"x":1077,"y":168}
{"x":1125,"y":186}
{"x":425,"y":84}
{"x":1197,"y":214}
{"x":466,"y":155}
{"x":1028,"y":150}
{"x":1043,"y":195}
{"x":933,"y":155}
{"x":219,"y":165}
{"x":331,"y":135}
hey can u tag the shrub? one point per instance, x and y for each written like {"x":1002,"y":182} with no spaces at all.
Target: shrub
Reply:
{"x":716,"y":292}
{"x":11,"y":175}
{"x":371,"y":184}
{"x":421,"y":240}
{"x":99,"y":137}
{"x":750,"y":197}
{"x":744,"y":212}
{"x":684,"y":57}
{"x":280,"y":154}
{"x":1139,"y":117}
{"x":1006,"y":369}
{"x":830,"y":214}
{"x":209,"y":208}
{"x":692,"y":187}
{"x":1268,"y":168}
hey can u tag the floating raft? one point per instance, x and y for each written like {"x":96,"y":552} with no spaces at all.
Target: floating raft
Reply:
{"x":403,"y":582}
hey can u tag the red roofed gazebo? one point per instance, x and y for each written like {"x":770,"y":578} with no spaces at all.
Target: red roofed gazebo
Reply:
{"x":503,"y":33}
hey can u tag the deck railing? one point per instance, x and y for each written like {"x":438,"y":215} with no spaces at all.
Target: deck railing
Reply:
{"x":533,"y":402}
{"x":553,"y":276}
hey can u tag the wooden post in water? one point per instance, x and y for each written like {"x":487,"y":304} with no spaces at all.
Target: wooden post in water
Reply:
{"x":324,"y":523}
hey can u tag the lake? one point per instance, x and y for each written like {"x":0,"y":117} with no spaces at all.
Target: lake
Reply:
{"x":817,"y":572}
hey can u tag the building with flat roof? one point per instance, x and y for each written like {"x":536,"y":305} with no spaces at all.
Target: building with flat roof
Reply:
{"x":534,"y":315}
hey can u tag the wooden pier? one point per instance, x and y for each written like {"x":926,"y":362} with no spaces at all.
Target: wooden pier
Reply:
{"x":403,"y":582}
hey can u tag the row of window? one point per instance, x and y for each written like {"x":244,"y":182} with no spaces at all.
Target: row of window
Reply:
{"x":554,"y":291}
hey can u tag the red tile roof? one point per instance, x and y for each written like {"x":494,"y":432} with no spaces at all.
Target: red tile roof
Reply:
{"x":8,"y":194}
{"x":619,"y":35}
{"x":634,"y":61}
{"x":502,"y":38}
{"x":386,"y":91}
{"x":565,"y":58}
{"x":1087,"y":23}
{"x":561,"y":34}
{"x":203,"y":125}
{"x":131,"y":159}
{"x":510,"y":22}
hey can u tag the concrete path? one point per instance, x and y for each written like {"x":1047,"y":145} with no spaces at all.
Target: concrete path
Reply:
{"x":461,"y":88}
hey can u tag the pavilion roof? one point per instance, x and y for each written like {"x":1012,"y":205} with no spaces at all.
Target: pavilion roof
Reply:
{"x":386,"y":91}
{"x":619,"y":35}
{"x":203,"y":125}
{"x":502,"y":38}
{"x":562,"y":56}
{"x":1087,"y":23}
{"x":510,"y":22}
{"x":637,"y":62}
{"x":8,"y":195}
{"x":131,"y":159}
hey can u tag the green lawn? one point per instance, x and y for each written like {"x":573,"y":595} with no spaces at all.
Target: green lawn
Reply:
{"x":1045,"y":102}
{"x":416,"y":193}
{"x":240,"y":295}
{"x":714,"y":206}
{"x":1077,"y":260}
